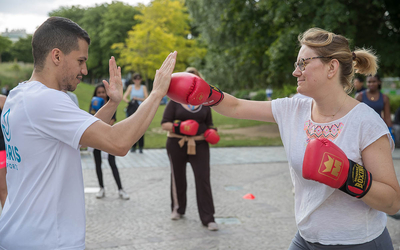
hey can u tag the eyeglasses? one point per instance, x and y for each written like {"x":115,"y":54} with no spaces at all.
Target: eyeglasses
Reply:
{"x":302,"y":64}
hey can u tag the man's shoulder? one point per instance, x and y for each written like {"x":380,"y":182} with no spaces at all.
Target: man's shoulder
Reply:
{"x":37,"y":90}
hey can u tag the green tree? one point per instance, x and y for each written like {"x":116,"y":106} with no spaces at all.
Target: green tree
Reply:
{"x":75,"y":13}
{"x":158,"y":34}
{"x":5,"y":44}
{"x":105,"y":24}
{"x":253,"y":43}
{"x":22,"y":50}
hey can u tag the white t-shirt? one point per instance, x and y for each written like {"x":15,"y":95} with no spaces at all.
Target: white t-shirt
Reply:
{"x":45,"y":206}
{"x":323,"y":214}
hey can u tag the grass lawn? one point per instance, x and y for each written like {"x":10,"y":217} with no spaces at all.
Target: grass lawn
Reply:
{"x":155,"y":137}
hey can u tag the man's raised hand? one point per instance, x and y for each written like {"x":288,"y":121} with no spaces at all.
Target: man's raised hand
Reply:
{"x":114,"y":88}
{"x":163,"y":75}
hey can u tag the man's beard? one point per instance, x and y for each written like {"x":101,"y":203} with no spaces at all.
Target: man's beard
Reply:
{"x":66,"y":84}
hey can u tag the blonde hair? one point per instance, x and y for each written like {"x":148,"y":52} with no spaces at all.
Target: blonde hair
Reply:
{"x":193,"y":70}
{"x":332,"y":46}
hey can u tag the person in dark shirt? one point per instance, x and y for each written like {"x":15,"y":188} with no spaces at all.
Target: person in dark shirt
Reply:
{"x":179,"y":155}
{"x":378,"y":101}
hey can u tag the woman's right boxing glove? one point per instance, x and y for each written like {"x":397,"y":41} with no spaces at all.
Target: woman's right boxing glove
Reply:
{"x":190,"y":89}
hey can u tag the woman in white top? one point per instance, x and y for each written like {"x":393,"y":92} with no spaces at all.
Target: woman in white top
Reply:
{"x":137,"y":92}
{"x":329,"y":218}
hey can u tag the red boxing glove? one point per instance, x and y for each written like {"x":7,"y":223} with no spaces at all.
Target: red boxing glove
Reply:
{"x":188,"y":127}
{"x":211,"y":136}
{"x":216,"y":96}
{"x":190,"y":89}
{"x":326,"y":163}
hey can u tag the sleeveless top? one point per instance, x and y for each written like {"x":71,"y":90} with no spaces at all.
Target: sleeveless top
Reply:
{"x":137,"y":93}
{"x":377,"y":105}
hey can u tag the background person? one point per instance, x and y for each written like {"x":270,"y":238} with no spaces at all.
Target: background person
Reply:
{"x":100,"y":91}
{"x":137,"y":92}
{"x":358,"y":83}
{"x":3,"y":165}
{"x":352,"y":210}
{"x":45,"y":206}
{"x":73,"y":97}
{"x":378,"y":101}
{"x":195,"y":122}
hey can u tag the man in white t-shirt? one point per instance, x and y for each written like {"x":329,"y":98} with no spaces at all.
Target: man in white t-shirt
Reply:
{"x":43,"y":130}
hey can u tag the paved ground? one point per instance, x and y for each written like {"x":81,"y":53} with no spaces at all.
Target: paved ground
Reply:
{"x":267,"y":222}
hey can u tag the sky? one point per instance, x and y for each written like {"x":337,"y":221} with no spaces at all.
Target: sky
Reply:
{"x":30,"y":14}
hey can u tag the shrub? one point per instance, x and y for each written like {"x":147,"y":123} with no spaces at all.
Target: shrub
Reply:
{"x":260,"y":96}
{"x":13,"y":73}
{"x":394,"y":103}
{"x":15,"y":67}
{"x":243,"y":94}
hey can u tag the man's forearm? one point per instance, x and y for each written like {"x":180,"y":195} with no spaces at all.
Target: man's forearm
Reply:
{"x":136,"y":125}
{"x":107,"y":111}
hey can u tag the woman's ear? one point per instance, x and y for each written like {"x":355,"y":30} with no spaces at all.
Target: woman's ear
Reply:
{"x":333,"y":68}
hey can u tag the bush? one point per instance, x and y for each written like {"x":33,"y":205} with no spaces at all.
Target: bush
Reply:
{"x":15,"y":67}
{"x":394,"y":103}
{"x":285,"y":91}
{"x":13,"y":73}
{"x":243,"y":94}
{"x":260,"y":96}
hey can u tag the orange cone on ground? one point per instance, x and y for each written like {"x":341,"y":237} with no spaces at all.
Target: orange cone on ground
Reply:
{"x":249,"y":196}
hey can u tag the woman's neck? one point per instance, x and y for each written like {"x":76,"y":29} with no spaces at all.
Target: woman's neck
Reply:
{"x":330,"y":107}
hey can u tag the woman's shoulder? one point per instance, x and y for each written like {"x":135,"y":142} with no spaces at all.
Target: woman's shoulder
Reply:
{"x":129,"y":87}
{"x":385,"y":97}
{"x":363,"y":112}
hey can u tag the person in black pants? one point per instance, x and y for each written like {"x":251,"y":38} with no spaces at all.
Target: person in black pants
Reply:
{"x":100,"y":91}
{"x":199,"y":160}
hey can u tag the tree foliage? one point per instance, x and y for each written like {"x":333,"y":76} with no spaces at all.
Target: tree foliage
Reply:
{"x":163,"y":28}
{"x":253,"y":43}
{"x":5,"y":44}
{"x":21,"y":50}
{"x":106,"y":24}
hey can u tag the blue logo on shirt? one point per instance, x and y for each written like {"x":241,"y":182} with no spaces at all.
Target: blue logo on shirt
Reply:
{"x":12,"y":151}
{"x":6,"y":127}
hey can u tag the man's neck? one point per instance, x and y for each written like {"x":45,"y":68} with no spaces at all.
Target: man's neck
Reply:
{"x":46,"y":79}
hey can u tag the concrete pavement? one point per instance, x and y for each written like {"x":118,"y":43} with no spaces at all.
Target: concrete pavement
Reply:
{"x":143,"y":222}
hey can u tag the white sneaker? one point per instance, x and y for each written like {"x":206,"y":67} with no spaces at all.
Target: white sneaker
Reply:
{"x":212,"y":226}
{"x":175,"y":215}
{"x":123,"y":195}
{"x":101,"y":193}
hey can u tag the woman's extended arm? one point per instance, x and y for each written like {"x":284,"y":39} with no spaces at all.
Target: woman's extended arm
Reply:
{"x":245,"y":109}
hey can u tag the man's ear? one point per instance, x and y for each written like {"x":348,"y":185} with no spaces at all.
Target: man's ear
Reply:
{"x":333,"y":68}
{"x":56,"y":56}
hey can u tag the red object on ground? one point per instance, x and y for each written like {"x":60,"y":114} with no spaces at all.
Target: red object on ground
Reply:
{"x":249,"y":197}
